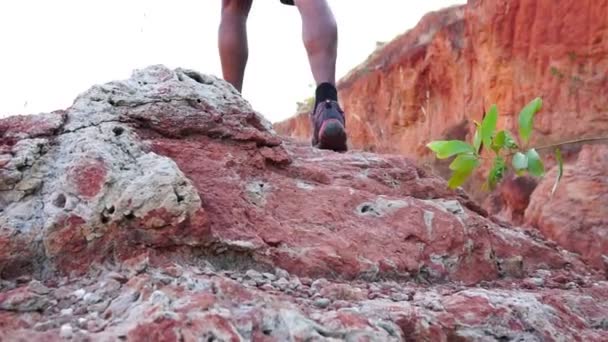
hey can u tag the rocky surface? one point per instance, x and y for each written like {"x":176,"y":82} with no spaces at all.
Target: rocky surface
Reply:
{"x":433,"y":81}
{"x":164,"y":207}
{"x":192,"y":303}
{"x":576,"y":217}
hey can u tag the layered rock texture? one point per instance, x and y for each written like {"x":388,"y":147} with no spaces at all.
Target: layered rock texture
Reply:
{"x":163,"y":207}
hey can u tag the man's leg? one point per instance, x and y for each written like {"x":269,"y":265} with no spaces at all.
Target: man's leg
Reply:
{"x":232,"y":40}
{"x":320,"y":35}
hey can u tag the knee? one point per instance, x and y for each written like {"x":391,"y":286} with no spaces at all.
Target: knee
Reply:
{"x":318,"y":16}
{"x":238,"y":8}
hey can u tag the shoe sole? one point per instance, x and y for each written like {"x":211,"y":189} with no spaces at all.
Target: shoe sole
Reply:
{"x":333,"y":136}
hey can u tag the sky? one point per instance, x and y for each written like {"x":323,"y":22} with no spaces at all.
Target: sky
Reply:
{"x":50,"y":51}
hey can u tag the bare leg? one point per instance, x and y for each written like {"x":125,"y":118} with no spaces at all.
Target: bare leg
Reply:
{"x":320,"y":35}
{"x":232,"y":40}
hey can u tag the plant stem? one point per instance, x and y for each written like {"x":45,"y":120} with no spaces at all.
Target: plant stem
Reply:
{"x":569,"y":142}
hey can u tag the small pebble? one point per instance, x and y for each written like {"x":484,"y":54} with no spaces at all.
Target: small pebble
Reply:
{"x":543,"y":273}
{"x":281,"y":273}
{"x":98,"y":307}
{"x":23,"y":279}
{"x":173,"y":271}
{"x":341,"y":304}
{"x":253,"y":274}
{"x":111,"y":285}
{"x":80,"y":310}
{"x":118,"y":277}
{"x":79,"y":293}
{"x":91,"y":298}
{"x":267,"y":287}
{"x":282,"y":284}
{"x":306,"y":281}
{"x":44,"y":326}
{"x":319,"y":283}
{"x":269,"y":276}
{"x":67,"y":312}
{"x":295,"y":283}
{"x":66,"y":331}
{"x":250,"y":283}
{"x":38,"y":288}
{"x":533,"y":282}
{"x":322,"y":303}
{"x":399,"y":297}
{"x":261,"y":281}
{"x":197,"y":270}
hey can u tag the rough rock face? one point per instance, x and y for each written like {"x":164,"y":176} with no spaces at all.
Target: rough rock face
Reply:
{"x":190,"y":303}
{"x":576,"y":217}
{"x":164,"y":208}
{"x":79,"y":184}
{"x":433,"y":81}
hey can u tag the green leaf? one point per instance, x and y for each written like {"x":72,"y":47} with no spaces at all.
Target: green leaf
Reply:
{"x":498,"y":142}
{"x":510,"y":141}
{"x":497,"y":172}
{"x":488,"y":126}
{"x":526,"y":118}
{"x":458,"y":178}
{"x":535,"y":165}
{"x":477,"y":137}
{"x":560,"y":169}
{"x":503,"y":139}
{"x":445,"y":149}
{"x":463,"y":167}
{"x":520,"y":161}
{"x":464,"y":162}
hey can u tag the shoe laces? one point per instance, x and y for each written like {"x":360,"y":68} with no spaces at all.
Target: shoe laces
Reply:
{"x":328,"y":105}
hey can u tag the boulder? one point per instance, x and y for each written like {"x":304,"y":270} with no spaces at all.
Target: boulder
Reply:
{"x":576,"y":216}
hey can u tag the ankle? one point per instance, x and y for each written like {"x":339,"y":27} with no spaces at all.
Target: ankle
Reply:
{"x":325,"y":91}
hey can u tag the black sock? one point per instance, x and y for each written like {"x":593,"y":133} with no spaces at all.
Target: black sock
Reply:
{"x":325,"y":91}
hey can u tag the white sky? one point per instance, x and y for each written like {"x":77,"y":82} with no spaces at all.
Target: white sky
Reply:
{"x":52,"y":50}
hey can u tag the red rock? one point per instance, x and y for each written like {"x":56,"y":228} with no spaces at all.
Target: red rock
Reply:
{"x":511,"y":198}
{"x":22,"y":299}
{"x":161,"y":329}
{"x":31,"y":126}
{"x":192,"y":175}
{"x":576,"y":217}
{"x":89,"y":176}
{"x":67,"y":240}
{"x":343,"y":292}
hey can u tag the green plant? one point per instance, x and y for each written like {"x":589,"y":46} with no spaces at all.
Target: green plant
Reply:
{"x":507,"y":150}
{"x":306,"y":105}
